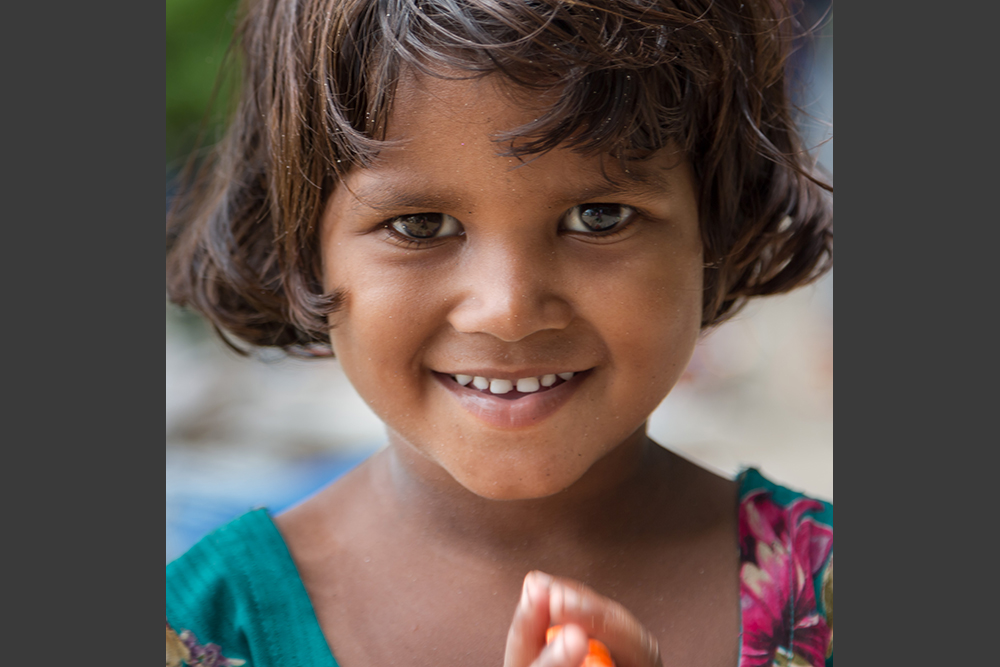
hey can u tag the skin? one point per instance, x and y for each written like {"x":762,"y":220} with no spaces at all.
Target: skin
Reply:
{"x":430,"y":541}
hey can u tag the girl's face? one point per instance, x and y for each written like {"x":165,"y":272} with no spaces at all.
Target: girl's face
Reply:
{"x":459,"y":263}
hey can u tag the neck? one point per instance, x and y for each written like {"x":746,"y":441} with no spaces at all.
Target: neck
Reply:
{"x":612,"y":499}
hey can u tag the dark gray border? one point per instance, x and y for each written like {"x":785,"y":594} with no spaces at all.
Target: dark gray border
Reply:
{"x":83,"y":124}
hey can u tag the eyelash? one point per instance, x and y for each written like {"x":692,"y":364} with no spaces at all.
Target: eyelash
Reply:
{"x":611,"y":234}
{"x":406,"y":241}
{"x":411,"y":243}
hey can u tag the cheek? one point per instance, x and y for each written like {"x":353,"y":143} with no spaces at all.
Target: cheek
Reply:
{"x":375,"y":294}
{"x":651,"y":315}
{"x":387,"y":318}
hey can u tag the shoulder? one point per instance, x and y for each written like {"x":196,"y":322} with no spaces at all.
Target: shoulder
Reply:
{"x":235,"y":593}
{"x":786,"y":571}
{"x":208,"y":589}
{"x":780,"y":507}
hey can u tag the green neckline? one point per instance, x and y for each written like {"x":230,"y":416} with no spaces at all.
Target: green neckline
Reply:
{"x":261,"y":583}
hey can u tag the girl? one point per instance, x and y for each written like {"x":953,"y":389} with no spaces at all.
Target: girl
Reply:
{"x":510,"y":220}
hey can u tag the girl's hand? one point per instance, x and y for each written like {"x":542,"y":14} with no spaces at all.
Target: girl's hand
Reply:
{"x":547,"y":600}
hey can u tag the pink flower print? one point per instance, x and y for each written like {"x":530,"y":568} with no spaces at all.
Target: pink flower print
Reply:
{"x":781,"y":552}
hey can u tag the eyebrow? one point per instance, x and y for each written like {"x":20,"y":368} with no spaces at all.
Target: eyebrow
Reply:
{"x":383,"y":197}
{"x":641,"y":183}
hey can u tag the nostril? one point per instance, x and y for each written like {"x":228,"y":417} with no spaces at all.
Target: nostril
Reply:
{"x":511,"y":319}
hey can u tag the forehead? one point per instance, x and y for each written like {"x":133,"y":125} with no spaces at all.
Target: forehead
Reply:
{"x":442,"y":134}
{"x":428,"y":103}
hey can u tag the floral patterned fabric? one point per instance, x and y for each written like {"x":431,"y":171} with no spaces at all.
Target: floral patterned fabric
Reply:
{"x":786,"y":576}
{"x":184,"y":649}
{"x":239,"y":590}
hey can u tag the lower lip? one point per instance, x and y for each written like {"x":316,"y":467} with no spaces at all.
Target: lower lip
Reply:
{"x":511,"y":413}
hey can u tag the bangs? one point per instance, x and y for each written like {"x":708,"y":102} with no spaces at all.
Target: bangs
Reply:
{"x":622,"y":72}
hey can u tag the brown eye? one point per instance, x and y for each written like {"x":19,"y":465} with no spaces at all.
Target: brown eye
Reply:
{"x":426,"y":225}
{"x":597,"y":217}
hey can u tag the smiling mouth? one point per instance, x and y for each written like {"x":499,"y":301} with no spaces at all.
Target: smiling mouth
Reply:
{"x":509,"y":403}
{"x":511,"y":389}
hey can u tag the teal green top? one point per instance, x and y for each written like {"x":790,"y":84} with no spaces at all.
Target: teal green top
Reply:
{"x":238,"y":588}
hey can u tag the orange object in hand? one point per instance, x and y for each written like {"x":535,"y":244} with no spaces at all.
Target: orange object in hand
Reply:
{"x":597,"y":656}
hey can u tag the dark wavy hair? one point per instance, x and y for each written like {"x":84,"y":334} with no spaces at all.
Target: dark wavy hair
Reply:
{"x":317,"y":81}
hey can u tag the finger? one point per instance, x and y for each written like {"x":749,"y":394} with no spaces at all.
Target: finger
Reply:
{"x":627,"y":639}
{"x":526,"y":637}
{"x":568,"y":649}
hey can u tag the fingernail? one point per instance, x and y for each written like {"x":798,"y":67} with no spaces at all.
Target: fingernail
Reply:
{"x":563,"y":640}
{"x":525,"y":597}
{"x":537,"y":585}
{"x":561,"y":650}
{"x":540,"y":577}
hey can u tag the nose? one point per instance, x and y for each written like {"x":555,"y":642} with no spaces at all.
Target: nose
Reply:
{"x":510,"y":290}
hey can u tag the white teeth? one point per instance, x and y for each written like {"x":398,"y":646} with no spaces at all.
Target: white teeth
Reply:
{"x":527,"y":385}
{"x":497,"y":386}
{"x":500,"y":386}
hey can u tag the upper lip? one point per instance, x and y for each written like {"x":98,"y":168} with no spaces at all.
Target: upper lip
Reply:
{"x":496,"y":374}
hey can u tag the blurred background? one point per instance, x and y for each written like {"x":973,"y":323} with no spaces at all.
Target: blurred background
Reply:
{"x":269,"y":431}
